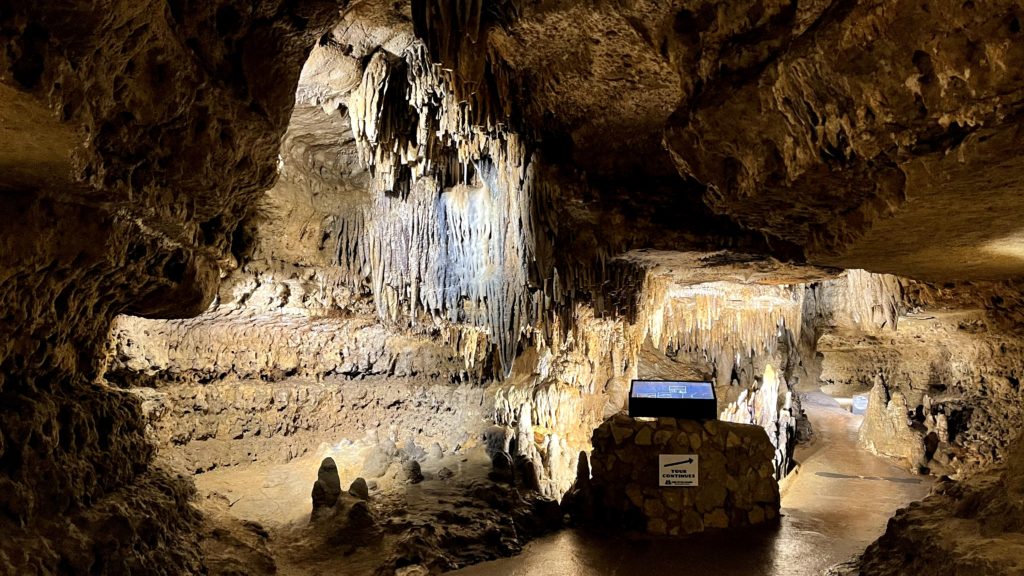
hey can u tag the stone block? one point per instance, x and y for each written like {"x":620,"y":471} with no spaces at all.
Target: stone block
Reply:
{"x":668,"y":423}
{"x":661,"y":437}
{"x":766,"y":491}
{"x":636,"y":495}
{"x":732,"y":483}
{"x":644,"y":437}
{"x":742,"y":498}
{"x":695,"y":441}
{"x":692,"y":522}
{"x":716,"y":519}
{"x":621,"y":433}
{"x":691,"y":426}
{"x":732,"y":440}
{"x":710,"y":497}
{"x":756,"y":515}
{"x":673,"y":500}
{"x":681,"y":442}
{"x":653,"y":508}
{"x":622,"y":419}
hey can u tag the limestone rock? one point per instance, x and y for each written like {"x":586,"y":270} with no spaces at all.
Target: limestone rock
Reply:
{"x":376,"y":463}
{"x":359,"y":489}
{"x":411,"y":472}
{"x":435,"y":452}
{"x":643,"y":437}
{"x":321,"y":498}
{"x":328,"y":476}
{"x":366,"y":242}
{"x":716,"y":519}
{"x":885,"y":429}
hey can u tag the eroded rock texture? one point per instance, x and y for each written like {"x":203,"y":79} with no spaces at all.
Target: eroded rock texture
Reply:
{"x":460,"y":230}
{"x":973,"y":526}
{"x":852,"y":129}
{"x":155,"y":133}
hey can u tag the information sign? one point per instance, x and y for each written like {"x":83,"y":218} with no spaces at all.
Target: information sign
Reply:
{"x":677,"y":470}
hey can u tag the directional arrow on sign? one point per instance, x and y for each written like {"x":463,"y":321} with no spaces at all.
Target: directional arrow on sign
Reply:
{"x":671,"y":464}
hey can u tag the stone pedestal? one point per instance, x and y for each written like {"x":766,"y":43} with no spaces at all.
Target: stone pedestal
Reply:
{"x":735,"y":487}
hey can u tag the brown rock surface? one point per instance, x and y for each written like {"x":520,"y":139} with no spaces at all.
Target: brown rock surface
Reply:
{"x":735,"y":485}
{"x":135,"y":136}
{"x":460,"y":216}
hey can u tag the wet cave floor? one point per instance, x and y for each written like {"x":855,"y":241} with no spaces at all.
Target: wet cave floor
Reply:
{"x":837,"y":503}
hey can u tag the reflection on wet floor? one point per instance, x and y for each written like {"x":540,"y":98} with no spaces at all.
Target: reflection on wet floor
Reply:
{"x":850,"y":476}
{"x":832,"y":509}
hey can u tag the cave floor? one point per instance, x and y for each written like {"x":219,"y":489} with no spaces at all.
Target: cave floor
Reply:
{"x":837,"y":503}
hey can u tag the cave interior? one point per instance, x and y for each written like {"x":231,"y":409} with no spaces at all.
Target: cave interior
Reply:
{"x":360,"y":286}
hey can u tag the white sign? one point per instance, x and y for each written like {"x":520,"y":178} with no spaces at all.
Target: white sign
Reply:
{"x":677,"y":470}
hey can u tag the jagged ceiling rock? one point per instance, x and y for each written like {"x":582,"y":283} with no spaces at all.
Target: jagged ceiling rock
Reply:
{"x":850,"y":132}
{"x":877,"y":138}
{"x":166,"y":115}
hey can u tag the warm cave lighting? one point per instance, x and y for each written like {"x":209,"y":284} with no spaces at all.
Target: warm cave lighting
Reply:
{"x":1011,"y":246}
{"x":551,"y":288}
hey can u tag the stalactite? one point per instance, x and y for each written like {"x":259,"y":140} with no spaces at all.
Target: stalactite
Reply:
{"x":770,"y":405}
{"x":718,"y":319}
{"x":448,"y":235}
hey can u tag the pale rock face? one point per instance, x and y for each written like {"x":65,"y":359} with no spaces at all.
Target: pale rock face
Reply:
{"x":886,"y":429}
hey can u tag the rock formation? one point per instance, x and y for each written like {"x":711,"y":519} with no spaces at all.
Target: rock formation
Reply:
{"x":140,"y":135}
{"x":248,"y":236}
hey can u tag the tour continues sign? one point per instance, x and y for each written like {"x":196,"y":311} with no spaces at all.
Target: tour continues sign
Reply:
{"x":677,"y":470}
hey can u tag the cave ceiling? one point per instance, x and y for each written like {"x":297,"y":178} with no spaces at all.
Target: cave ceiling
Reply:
{"x":875,"y":135}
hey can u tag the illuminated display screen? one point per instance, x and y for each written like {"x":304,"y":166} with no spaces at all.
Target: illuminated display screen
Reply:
{"x":673,"y":390}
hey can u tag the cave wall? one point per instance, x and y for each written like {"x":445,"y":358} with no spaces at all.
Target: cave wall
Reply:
{"x":394,"y":204}
{"x":890,"y":114}
{"x":941,"y":364}
{"x":162,"y":133}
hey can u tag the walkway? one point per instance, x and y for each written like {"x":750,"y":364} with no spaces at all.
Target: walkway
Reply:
{"x":836,"y":505}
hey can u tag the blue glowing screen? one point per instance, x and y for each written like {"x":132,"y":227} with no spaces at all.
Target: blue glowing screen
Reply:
{"x":673,"y":390}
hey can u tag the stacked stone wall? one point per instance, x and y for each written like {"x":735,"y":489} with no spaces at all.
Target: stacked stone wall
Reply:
{"x":736,"y":486}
